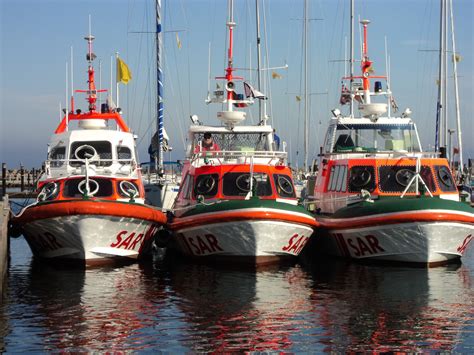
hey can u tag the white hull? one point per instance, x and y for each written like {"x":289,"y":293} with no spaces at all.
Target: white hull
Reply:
{"x":421,"y":242}
{"x":89,"y":238}
{"x":162,"y":196}
{"x":254,"y":239}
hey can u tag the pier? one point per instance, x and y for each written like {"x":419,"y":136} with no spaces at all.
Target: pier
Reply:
{"x":4,"y":243}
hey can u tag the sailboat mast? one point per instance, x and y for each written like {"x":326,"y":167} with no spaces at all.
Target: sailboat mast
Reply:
{"x":440,"y":104}
{"x":306,"y":106}
{"x":159,"y":81}
{"x":456,"y":90}
{"x":352,"y":58}
{"x":259,"y":60}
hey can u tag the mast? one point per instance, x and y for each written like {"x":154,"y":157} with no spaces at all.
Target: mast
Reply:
{"x":159,"y":81}
{"x":306,"y":106}
{"x":440,"y":104}
{"x":456,"y":90}
{"x":259,"y":80}
{"x":352,"y":58}
{"x":230,"y":84}
{"x":92,"y":92}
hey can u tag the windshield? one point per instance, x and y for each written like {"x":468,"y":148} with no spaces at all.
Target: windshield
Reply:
{"x":375,"y":137}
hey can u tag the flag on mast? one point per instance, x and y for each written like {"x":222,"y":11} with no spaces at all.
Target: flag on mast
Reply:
{"x":124,"y":75}
{"x":251,"y":92}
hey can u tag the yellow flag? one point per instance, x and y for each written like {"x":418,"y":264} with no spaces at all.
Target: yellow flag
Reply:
{"x":178,"y":41}
{"x":457,"y":57}
{"x":124,"y":75}
{"x":275,"y":75}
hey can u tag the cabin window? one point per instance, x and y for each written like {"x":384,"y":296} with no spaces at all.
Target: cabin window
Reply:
{"x":124,"y":155}
{"x":128,"y":189}
{"x":72,"y":187}
{"x":363,"y":137}
{"x":341,"y":179}
{"x":206,"y":185}
{"x":332,"y":178}
{"x":338,"y":178}
{"x":187,"y":188}
{"x":284,"y":186}
{"x":239,"y":142}
{"x":49,"y":191}
{"x":57,"y":155}
{"x":103,"y":149}
{"x":445,"y":179}
{"x":362,"y":177}
{"x":238,"y":184}
{"x":397,"y":178}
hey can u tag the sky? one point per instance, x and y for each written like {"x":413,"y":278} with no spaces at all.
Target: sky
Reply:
{"x":36,"y":37}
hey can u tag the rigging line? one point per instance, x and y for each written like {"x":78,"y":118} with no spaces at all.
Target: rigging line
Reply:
{"x":183,"y":10}
{"x":178,"y":77}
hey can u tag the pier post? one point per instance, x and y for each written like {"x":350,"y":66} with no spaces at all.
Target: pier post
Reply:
{"x":22,"y":178}
{"x":4,"y":245}
{"x":4,"y":179}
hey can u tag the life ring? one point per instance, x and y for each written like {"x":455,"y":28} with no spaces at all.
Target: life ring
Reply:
{"x":86,"y":151}
{"x":205,"y":185}
{"x":404,"y":176}
{"x":360,"y":176}
{"x":48,"y":192}
{"x":243,"y":182}
{"x":128,"y":188}
{"x":285,"y":184}
{"x":83,"y":183}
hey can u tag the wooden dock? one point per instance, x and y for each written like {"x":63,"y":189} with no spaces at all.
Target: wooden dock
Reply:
{"x":4,"y":242}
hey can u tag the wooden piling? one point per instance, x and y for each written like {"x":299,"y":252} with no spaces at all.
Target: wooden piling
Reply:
{"x":4,"y":179}
{"x":4,"y":245}
{"x":22,"y":178}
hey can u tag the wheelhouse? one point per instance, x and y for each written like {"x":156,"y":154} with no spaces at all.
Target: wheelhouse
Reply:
{"x":234,"y":182}
{"x":363,"y":135}
{"x":347,"y":178}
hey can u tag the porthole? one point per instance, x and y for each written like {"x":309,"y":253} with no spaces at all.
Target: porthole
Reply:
{"x":284,"y":183}
{"x":243,"y":182}
{"x":48,"y":192}
{"x":360,"y":176}
{"x":205,"y":185}
{"x":404,"y":176}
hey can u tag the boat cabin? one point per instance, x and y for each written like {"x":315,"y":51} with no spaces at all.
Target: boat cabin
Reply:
{"x":107,"y":157}
{"x":234,"y":182}
{"x":378,"y":159}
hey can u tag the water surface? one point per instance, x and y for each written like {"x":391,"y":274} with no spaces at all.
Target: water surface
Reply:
{"x":166,"y":304}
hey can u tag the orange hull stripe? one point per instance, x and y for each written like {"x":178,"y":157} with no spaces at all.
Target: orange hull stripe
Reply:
{"x":193,"y":221}
{"x":409,"y":217}
{"x":71,"y":208}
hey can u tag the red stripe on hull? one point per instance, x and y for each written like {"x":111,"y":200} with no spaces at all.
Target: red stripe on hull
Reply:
{"x":70,"y":208}
{"x":220,"y":217}
{"x":409,"y":217}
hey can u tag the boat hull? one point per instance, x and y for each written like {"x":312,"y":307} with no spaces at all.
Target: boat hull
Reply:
{"x":419,"y":242}
{"x":259,"y":235}
{"x":90,"y":232}
{"x":400,"y":231}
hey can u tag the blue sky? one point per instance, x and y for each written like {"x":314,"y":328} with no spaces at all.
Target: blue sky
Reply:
{"x":36,"y":37}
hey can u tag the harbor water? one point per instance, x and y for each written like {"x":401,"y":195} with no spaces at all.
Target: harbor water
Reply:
{"x":167,"y":304}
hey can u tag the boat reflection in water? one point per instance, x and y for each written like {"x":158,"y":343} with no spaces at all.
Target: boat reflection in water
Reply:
{"x":392,"y":308}
{"x":326,"y":306}
{"x":234,"y":310}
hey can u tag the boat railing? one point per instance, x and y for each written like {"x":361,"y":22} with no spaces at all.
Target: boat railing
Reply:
{"x":106,"y":167}
{"x":388,"y":154}
{"x":240,"y":157}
